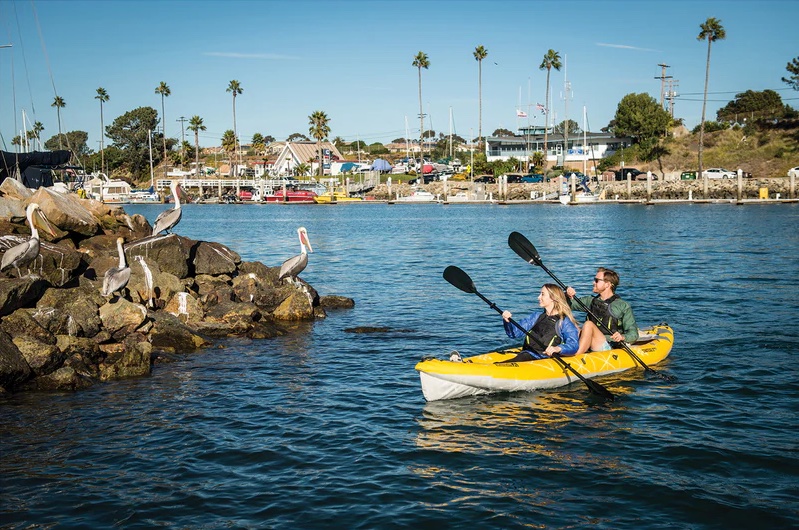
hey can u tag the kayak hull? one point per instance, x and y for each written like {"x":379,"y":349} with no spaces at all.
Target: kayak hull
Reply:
{"x":478,"y":375}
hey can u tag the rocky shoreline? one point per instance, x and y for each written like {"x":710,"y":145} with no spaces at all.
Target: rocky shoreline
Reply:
{"x":58,"y":332}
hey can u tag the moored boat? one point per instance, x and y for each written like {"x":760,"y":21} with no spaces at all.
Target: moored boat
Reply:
{"x":335,"y":196}
{"x":290,"y":195}
{"x":477,"y":375}
{"x":579,"y":198}
{"x":419,"y":196}
{"x":109,"y":191}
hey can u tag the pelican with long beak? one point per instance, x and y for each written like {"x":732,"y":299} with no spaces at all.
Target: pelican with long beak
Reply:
{"x":293,"y":266}
{"x":167,"y":219}
{"x":27,"y":251}
{"x":116,"y":278}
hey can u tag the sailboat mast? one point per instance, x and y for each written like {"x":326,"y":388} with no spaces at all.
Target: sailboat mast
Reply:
{"x":450,"y":134}
{"x":150,"y":145}
{"x":585,"y":145}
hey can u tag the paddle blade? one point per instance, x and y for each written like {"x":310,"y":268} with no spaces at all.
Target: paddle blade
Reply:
{"x":599,"y":390}
{"x":459,"y":279}
{"x":522,"y":246}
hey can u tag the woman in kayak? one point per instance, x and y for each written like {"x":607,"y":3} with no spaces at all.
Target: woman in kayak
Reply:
{"x":554,"y":327}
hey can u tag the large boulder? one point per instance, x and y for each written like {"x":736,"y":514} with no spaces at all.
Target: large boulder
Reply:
{"x":42,"y":357}
{"x":214,"y":258}
{"x":121,"y":317}
{"x":168,"y":251}
{"x":20,"y":292}
{"x":297,"y":306}
{"x":184,"y":306}
{"x":13,"y":190}
{"x":171,"y":335}
{"x":14,"y":370}
{"x":66,"y":211}
{"x":129,"y":359}
{"x":62,"y":379}
{"x":73,"y":311}
{"x":11,"y":208}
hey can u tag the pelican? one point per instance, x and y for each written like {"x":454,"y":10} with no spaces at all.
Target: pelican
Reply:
{"x":293,"y":266}
{"x":22,"y":254}
{"x":167,"y":219}
{"x":116,"y":278}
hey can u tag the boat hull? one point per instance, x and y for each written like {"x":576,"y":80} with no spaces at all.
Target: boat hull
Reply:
{"x":478,"y":375}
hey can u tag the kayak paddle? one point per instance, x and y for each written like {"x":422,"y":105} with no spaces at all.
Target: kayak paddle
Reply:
{"x":462,"y":281}
{"x":525,"y":249}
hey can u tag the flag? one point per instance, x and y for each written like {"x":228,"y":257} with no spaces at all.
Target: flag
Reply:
{"x":520,"y":113}
{"x":540,"y":107}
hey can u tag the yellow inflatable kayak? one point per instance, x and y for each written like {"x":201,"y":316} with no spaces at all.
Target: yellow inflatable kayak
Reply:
{"x":445,"y":379}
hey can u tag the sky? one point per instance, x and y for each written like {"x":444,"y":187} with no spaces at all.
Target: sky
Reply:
{"x":353,"y":60}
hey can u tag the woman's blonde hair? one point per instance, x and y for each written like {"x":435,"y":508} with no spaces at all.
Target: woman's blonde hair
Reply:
{"x":562,"y":308}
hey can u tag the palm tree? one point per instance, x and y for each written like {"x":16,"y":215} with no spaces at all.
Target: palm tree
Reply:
{"x":229,"y":142}
{"x":319,"y":129}
{"x":102,"y":95}
{"x":421,"y":61}
{"x":164,"y":90}
{"x":196,"y":125}
{"x":480,"y":53}
{"x":235,"y":87}
{"x":712,"y":30}
{"x":36,"y":132}
{"x":551,"y":60}
{"x":59,"y":103}
{"x":301,"y":170}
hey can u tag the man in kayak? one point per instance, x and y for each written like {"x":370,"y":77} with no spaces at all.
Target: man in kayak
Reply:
{"x":608,"y":307}
{"x":555,"y":327}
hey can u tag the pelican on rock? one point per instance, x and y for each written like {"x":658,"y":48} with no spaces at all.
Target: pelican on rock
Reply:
{"x":116,"y":278}
{"x":167,"y":219}
{"x":24,"y":253}
{"x":293,"y":266}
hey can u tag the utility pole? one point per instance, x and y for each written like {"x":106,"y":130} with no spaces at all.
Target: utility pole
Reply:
{"x":182,"y":120}
{"x":662,"y":78}
{"x":671,"y":94}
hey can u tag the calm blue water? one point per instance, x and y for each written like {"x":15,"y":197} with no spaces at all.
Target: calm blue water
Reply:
{"x":329,"y":429}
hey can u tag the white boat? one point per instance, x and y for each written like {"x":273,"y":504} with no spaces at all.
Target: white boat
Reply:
{"x":109,"y":191}
{"x":461,"y":196}
{"x":579,"y":198}
{"x":144,"y":196}
{"x":419,"y":196}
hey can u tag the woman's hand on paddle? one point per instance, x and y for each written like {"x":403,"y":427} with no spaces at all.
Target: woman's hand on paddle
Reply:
{"x":552,"y":349}
{"x":506,"y":316}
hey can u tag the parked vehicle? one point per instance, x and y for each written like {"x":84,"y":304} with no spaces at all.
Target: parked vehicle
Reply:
{"x":719,"y":173}
{"x":533,"y":177}
{"x":622,"y":174}
{"x":688,"y":175}
{"x":794,"y":172}
{"x":427,"y":179}
{"x":514,"y":178}
{"x":488,"y":179}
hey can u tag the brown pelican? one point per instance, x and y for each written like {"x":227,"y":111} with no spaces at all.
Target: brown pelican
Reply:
{"x":116,"y":278}
{"x":293,"y":266}
{"x":27,"y":251}
{"x":167,"y":219}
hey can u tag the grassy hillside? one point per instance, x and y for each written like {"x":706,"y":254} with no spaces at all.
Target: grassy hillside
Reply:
{"x":762,"y":152}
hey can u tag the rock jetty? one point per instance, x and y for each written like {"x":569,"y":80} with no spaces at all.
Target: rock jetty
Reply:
{"x":58,"y":332}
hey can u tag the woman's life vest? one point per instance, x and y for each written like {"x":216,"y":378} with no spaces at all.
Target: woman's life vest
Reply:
{"x":545,"y":329}
{"x":601,"y":312}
